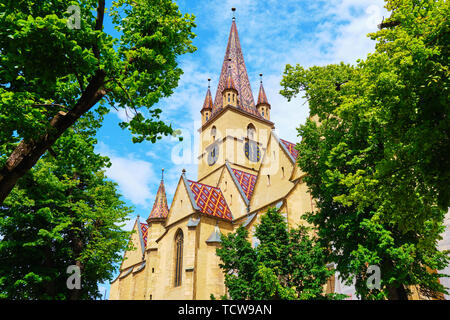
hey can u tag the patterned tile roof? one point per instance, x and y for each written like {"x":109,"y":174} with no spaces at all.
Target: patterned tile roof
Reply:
{"x":291,"y":148}
{"x":208,"y":104}
{"x":235,"y":59}
{"x":160,"y":209}
{"x":262,"y":98}
{"x":144,"y":231}
{"x":210,"y":200}
{"x":229,"y":83}
{"x":246,"y":180}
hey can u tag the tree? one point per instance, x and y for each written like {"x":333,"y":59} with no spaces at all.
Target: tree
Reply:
{"x":375,"y":152}
{"x":57,"y":63}
{"x":63,"y":212}
{"x":286,"y":264}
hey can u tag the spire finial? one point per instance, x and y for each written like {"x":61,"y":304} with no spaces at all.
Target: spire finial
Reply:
{"x":260,"y":77}
{"x":209,"y":83}
{"x":162,"y":174}
{"x":233,"y":10}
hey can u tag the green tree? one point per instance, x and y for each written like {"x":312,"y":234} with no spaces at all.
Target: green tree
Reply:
{"x":375,"y":151}
{"x":57,"y":63}
{"x":62,"y":212}
{"x":286,"y":264}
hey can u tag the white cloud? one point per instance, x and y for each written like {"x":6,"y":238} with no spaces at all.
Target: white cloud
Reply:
{"x":134,"y":176}
{"x":124,"y":114}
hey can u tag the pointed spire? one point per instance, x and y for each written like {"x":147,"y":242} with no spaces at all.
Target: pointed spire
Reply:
{"x":229,"y":83}
{"x":235,"y":59}
{"x":262,"y":98}
{"x":208,"y":103}
{"x":160,"y":209}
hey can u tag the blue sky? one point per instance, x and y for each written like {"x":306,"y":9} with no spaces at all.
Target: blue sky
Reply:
{"x":272,"y":34}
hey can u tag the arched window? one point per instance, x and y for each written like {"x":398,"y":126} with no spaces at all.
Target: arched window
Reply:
{"x":251,"y":131}
{"x":213,"y":132}
{"x":178,"y":257}
{"x":228,"y":97}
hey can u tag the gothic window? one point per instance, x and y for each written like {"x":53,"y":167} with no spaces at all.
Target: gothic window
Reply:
{"x":228,"y":97}
{"x":251,"y":131}
{"x":213,"y":132}
{"x":178,"y":257}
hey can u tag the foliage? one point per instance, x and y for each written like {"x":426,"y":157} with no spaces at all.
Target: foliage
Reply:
{"x":375,"y":151}
{"x":51,"y":73}
{"x":63,"y":212}
{"x":286,"y":264}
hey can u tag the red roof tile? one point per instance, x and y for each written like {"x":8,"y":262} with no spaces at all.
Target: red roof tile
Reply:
{"x":144,"y":230}
{"x":160,"y":209}
{"x":291,"y":148}
{"x":235,"y":59}
{"x":210,"y":200}
{"x":246,"y":180}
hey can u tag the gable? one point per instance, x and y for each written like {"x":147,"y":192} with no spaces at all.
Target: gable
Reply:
{"x":273,"y":181}
{"x":182,"y":204}
{"x":131,"y":257}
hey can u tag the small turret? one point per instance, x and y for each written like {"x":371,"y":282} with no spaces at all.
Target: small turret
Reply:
{"x":263,"y":105}
{"x":160,"y":209}
{"x":207,"y":105}
{"x":230,"y":93}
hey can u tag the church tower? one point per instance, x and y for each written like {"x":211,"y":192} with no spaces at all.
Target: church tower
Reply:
{"x":233,"y":130}
{"x":263,"y":105}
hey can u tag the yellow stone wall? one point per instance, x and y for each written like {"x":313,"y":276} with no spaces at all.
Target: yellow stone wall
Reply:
{"x":276,"y":168}
{"x":231,"y":132}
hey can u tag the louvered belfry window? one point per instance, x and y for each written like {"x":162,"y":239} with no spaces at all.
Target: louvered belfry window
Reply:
{"x":178,"y":257}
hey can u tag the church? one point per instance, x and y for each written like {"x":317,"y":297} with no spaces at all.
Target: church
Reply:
{"x":243,"y":169}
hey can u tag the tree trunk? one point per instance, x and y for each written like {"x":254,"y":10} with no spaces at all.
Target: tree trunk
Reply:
{"x":397,"y":293}
{"x":28,"y":152}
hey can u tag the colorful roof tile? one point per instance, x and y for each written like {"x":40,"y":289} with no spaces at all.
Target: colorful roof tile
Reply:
{"x":246,"y":180}
{"x":210,"y":200}
{"x":229,"y":83}
{"x":144,"y":231}
{"x":160,"y":209}
{"x":262,"y":98}
{"x":235,"y":59}
{"x":208,"y":104}
{"x":291,"y":148}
